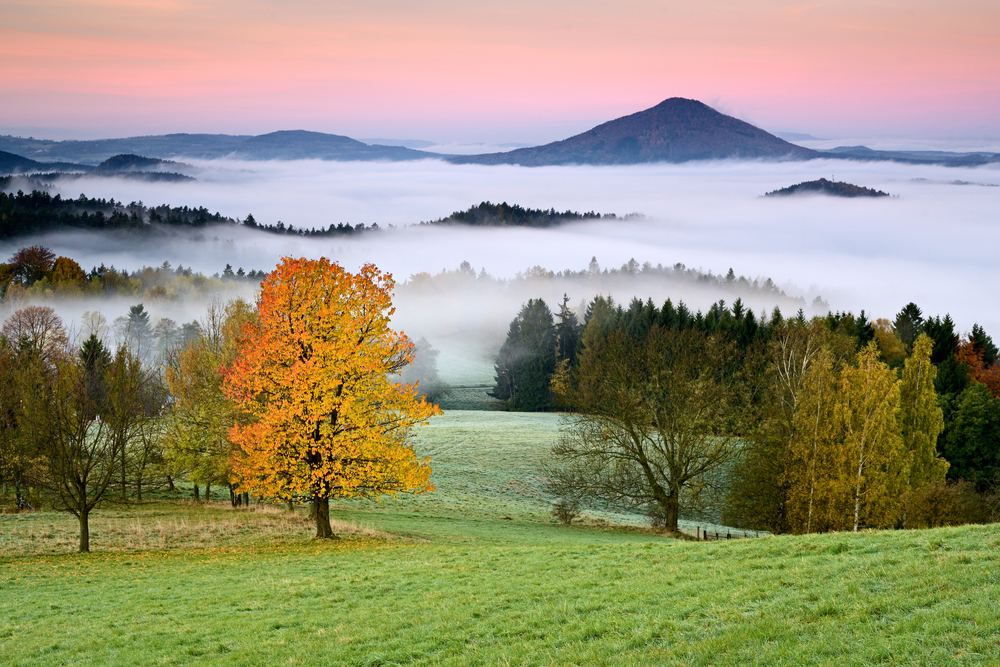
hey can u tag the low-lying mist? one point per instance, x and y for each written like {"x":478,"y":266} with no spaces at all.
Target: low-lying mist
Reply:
{"x":934,"y":244}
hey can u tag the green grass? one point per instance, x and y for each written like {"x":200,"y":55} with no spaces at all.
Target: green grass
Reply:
{"x":450,"y":581}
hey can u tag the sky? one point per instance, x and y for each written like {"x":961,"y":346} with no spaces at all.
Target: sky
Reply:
{"x":453,"y":71}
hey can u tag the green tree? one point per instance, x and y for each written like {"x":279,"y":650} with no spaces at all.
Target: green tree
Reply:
{"x":972,"y":442}
{"x":196,"y":440}
{"x":567,"y":332}
{"x":527,"y":360}
{"x":654,"y":421}
{"x":424,"y":371}
{"x":908,"y":324}
{"x":81,"y":453}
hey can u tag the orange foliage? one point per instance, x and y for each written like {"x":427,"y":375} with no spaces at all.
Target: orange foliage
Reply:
{"x":978,"y":370}
{"x":312,"y":376}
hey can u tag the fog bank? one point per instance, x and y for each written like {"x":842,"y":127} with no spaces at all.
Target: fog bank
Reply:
{"x":934,"y":244}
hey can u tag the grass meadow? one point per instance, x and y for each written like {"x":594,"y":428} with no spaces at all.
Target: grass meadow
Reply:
{"x":476,"y":573}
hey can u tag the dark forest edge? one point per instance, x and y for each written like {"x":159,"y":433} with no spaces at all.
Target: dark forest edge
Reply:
{"x":24,"y":214}
{"x":488,"y":214}
{"x":778,"y":424}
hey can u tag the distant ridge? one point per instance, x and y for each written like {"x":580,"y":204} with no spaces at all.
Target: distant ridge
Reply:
{"x":282,"y":145}
{"x":16,"y":164}
{"x":676,"y":130}
{"x":301,"y":144}
{"x":825,"y":187}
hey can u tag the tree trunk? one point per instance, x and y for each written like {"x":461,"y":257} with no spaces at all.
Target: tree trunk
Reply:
{"x":246,"y":498}
{"x":291,"y":505}
{"x":208,"y":493}
{"x":323,"y":528}
{"x":170,"y":483}
{"x":138,"y":488}
{"x":84,"y":531}
{"x":197,"y":496}
{"x":671,"y":511}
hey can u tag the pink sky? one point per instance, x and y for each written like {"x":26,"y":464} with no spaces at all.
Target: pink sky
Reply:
{"x":536,"y":71}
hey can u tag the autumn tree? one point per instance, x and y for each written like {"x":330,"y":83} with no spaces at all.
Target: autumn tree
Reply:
{"x":66,"y":271}
{"x":875,"y":451}
{"x":921,"y":420}
{"x":36,"y":329}
{"x":758,"y":494}
{"x":324,"y":420}
{"x":31,"y":264}
{"x":981,"y":361}
{"x":817,"y":461}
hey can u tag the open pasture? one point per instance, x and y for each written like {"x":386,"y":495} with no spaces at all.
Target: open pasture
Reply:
{"x":476,"y":573}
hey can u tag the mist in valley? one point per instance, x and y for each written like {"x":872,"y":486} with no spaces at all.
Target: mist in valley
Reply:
{"x":933,"y":245}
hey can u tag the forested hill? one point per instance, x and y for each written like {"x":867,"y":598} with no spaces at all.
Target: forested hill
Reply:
{"x":131,"y":162}
{"x":508,"y":215}
{"x":38,"y":212}
{"x":825,"y":187}
{"x":16,"y":164}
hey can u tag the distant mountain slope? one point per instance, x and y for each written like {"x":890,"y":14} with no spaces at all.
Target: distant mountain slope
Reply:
{"x":284,"y":145}
{"x":96,"y":151}
{"x":16,"y":164}
{"x":676,"y":130}
{"x":948,"y":159}
{"x":300,"y":144}
{"x":825,"y":187}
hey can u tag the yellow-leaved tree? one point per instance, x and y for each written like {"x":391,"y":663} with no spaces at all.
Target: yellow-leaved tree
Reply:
{"x":921,"y":420}
{"x":869,"y":394}
{"x":817,"y":458}
{"x":197,"y":435}
{"x":324,"y":420}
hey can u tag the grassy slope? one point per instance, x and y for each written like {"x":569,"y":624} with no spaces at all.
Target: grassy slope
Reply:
{"x":462,"y":586}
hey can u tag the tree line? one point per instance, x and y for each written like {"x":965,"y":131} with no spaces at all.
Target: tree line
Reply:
{"x":36,"y":272}
{"x":487,"y":214}
{"x":302,"y":395}
{"x":778,"y":424}
{"x":610,"y":278}
{"x":25,"y":214}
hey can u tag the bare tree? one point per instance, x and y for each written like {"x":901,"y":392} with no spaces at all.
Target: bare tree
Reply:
{"x":37,"y":329}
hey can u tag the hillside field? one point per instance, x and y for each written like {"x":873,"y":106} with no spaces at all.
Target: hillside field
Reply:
{"x":477,"y":573}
